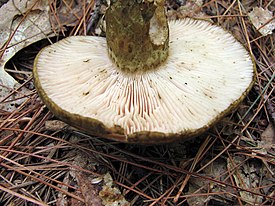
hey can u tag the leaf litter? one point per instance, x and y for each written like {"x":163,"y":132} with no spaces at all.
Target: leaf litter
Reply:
{"x":45,"y":162}
{"x":263,"y":20}
{"x":94,"y":189}
{"x":22,"y":23}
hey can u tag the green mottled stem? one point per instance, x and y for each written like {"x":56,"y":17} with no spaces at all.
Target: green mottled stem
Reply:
{"x":137,"y":34}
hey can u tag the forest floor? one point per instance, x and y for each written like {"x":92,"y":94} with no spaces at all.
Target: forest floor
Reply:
{"x":45,"y":162}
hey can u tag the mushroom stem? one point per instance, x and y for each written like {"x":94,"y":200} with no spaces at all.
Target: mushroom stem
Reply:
{"x":137,"y":34}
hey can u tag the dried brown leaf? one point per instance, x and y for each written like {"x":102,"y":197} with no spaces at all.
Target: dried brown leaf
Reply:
{"x":22,"y":23}
{"x":68,"y":13}
{"x":110,"y":194}
{"x":268,"y":137}
{"x":263,"y":20}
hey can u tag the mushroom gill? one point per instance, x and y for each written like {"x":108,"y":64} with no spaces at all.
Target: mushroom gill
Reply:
{"x":206,"y":73}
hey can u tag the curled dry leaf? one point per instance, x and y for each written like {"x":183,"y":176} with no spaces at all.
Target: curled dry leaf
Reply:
{"x":22,"y":23}
{"x":262,"y":20}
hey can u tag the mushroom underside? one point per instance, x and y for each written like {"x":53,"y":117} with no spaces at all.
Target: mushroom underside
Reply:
{"x":206,"y":74}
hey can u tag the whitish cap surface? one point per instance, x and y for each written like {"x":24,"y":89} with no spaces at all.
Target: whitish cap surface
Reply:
{"x":206,"y":74}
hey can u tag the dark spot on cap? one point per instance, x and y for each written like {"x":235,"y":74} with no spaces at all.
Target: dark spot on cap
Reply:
{"x":121,"y":45}
{"x":87,"y":60}
{"x":130,"y":48}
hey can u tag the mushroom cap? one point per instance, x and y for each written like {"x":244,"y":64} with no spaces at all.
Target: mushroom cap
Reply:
{"x":207,"y":73}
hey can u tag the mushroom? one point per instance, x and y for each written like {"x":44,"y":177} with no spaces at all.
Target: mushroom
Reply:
{"x":149,"y":80}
